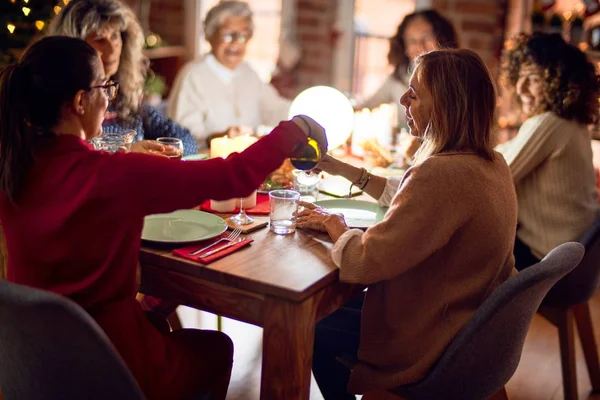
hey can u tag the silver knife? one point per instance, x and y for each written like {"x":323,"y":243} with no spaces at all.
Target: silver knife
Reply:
{"x":228,"y":245}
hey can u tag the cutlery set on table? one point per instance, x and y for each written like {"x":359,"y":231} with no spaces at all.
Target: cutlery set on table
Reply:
{"x":204,"y":235}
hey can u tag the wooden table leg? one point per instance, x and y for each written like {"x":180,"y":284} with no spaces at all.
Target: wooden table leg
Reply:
{"x":288,"y":337}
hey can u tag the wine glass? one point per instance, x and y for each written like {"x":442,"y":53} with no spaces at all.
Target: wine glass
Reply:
{"x":241,"y":218}
{"x":173,"y":147}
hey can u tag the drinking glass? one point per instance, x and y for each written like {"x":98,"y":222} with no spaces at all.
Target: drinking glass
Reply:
{"x":173,"y":147}
{"x":307,"y":184}
{"x":115,"y":142}
{"x":283,"y":205}
{"x":241,"y":218}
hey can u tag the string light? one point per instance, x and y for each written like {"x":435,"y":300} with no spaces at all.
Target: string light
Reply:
{"x":567,"y":15}
{"x":26,"y":10}
{"x":11,"y":28}
{"x":39,"y":25}
{"x":13,"y":1}
{"x":25,"y":1}
{"x":65,"y":2}
{"x":57,"y":9}
{"x":151,"y":40}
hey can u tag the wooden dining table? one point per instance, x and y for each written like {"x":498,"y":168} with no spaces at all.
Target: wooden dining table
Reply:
{"x":285,"y":284}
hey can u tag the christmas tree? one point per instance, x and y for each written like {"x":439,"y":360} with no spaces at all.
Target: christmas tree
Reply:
{"x":21,"y":21}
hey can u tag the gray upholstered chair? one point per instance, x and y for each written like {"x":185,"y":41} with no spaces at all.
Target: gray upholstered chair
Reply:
{"x":50,"y":349}
{"x":567,"y":304}
{"x":485,"y":353}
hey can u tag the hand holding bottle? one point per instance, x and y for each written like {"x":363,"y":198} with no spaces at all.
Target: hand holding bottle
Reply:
{"x":316,"y":146}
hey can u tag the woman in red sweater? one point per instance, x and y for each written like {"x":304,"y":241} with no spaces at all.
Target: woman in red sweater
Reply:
{"x":73,"y":216}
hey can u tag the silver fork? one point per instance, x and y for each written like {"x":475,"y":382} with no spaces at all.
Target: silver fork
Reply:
{"x":230,"y":238}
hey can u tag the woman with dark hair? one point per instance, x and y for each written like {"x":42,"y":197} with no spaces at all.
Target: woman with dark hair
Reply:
{"x":72,"y":216}
{"x":443,"y":246}
{"x":418,"y":32}
{"x":551,"y":156}
{"x":110,"y":27}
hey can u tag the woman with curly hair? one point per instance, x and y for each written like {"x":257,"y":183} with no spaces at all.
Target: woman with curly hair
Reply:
{"x":551,"y":156}
{"x":111,"y":28}
{"x":418,"y":33}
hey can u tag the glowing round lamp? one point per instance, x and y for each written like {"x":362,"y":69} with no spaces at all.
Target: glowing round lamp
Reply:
{"x":330,"y":108}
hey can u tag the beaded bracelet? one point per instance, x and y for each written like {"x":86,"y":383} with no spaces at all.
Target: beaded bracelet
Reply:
{"x":361,"y":183}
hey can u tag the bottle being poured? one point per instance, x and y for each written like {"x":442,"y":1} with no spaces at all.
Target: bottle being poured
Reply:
{"x":315,"y":147}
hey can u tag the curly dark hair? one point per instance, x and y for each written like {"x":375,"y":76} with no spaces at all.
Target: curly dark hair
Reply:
{"x":571,"y":85}
{"x":444,"y":32}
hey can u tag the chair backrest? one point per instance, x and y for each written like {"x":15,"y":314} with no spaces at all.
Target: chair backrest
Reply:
{"x":51,"y":349}
{"x":581,"y":283}
{"x":485,"y":353}
{"x":3,"y":255}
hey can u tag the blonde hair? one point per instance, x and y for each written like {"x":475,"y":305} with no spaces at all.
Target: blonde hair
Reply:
{"x":82,"y":17}
{"x":464,"y":103}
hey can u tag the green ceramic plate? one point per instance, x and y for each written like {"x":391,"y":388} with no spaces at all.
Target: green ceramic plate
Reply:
{"x":183,"y":226}
{"x":358,"y":213}
{"x":194,"y":157}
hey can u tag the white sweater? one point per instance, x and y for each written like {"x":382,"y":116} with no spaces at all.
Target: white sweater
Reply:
{"x":551,"y":163}
{"x":208,"y":98}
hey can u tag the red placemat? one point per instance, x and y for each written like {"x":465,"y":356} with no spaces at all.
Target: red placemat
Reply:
{"x":184,"y":252}
{"x":262,"y":206}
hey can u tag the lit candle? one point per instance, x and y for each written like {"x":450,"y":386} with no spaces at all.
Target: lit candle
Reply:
{"x":362,"y":122}
{"x":241,"y":143}
{"x":249,"y":202}
{"x":219,"y":147}
{"x":383,"y":127}
{"x":224,"y":146}
{"x":223,"y":205}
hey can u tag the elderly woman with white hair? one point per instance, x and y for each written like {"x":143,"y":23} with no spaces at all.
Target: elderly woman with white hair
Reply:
{"x":218,"y":93}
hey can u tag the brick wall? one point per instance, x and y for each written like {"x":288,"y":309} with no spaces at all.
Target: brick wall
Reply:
{"x":315,"y":32}
{"x":480,"y":26}
{"x":166,"y":19}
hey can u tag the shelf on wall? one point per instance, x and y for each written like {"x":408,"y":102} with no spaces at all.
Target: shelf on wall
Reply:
{"x":165,"y":52}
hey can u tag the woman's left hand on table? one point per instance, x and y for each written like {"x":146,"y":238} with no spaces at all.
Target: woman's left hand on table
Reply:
{"x":315,"y":217}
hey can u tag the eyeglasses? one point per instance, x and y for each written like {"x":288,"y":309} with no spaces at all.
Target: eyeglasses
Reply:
{"x":235,"y":37}
{"x":110,"y":88}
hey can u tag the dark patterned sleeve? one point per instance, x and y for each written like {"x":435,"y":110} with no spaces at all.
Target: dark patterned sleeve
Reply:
{"x":157,"y":125}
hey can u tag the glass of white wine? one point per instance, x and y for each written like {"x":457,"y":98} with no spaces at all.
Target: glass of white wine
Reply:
{"x":173,"y":147}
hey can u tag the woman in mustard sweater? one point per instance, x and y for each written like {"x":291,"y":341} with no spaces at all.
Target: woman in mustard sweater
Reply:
{"x":444,"y":245}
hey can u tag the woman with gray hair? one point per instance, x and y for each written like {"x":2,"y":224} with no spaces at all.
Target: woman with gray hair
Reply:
{"x":112,"y":29}
{"x":219,"y":93}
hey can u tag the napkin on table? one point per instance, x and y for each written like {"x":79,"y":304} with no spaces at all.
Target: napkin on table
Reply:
{"x":184,"y":252}
{"x":262,"y":206}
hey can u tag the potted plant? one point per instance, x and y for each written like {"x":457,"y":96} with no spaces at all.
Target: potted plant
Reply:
{"x":154,"y":89}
